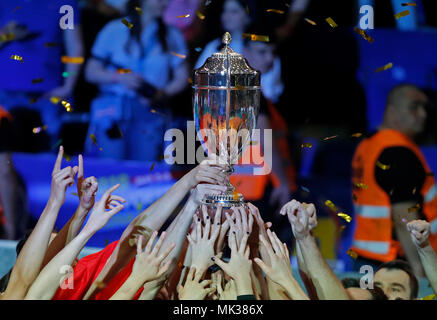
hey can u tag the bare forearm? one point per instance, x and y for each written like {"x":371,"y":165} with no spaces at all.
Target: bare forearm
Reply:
{"x":328,"y":286}
{"x":74,"y":48}
{"x":128,"y":290}
{"x":294,"y":291}
{"x":428,"y":257}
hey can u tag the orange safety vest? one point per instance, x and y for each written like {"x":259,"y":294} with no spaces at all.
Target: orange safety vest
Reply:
{"x":252,"y":186}
{"x":373,"y":233}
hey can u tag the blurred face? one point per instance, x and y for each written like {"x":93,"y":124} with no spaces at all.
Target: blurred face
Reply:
{"x":411,"y":112}
{"x":394,"y":282}
{"x":359,"y":294}
{"x":260,"y":55}
{"x":155,"y":8}
{"x":234,"y":17}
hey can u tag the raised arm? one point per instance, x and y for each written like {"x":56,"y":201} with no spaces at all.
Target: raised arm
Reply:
{"x":86,"y":190}
{"x":420,"y":231}
{"x":48,"y":280}
{"x":328,"y":286}
{"x":29,"y":261}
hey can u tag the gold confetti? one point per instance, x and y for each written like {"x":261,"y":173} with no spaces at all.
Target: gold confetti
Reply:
{"x":415,"y":208}
{"x":310,"y":21}
{"x":402,"y":14}
{"x":139,"y":206}
{"x":411,"y":4}
{"x":183,"y":16}
{"x":386,"y":67}
{"x":430,"y":297}
{"x":178,"y":55}
{"x":153,"y":166}
{"x":127,"y":23}
{"x":307,"y":145}
{"x":100,"y":284}
{"x":364,"y":34}
{"x":200,"y":15}
{"x":67,"y":157}
{"x":341,"y":229}
{"x":94,"y":140}
{"x":331,"y":22}
{"x":361,"y":185}
{"x":190,"y":80}
{"x":414,"y":190}
{"x":50,"y":44}
{"x":39,"y":129}
{"x":57,"y":144}
{"x":352,"y":254}
{"x":255,"y":37}
{"x":67,"y":105}
{"x":37,"y":80}
{"x":276,"y":11}
{"x":74,"y":60}
{"x":356,"y":135}
{"x":344,"y":216}
{"x":75,"y":194}
{"x":382,"y":166}
{"x":124,"y":71}
{"x":331,"y":137}
{"x":7,"y":37}
{"x":55,"y":100}
{"x":139,"y":10}
{"x":331,"y":205}
{"x":17,"y":57}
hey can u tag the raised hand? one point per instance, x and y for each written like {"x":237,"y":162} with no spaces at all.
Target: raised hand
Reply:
{"x":420,"y":231}
{"x":229,"y":292}
{"x":61,"y":179}
{"x":298,"y":218}
{"x":279,"y":267}
{"x":194,"y":289}
{"x":202,"y":240}
{"x":148,"y":264}
{"x":105,"y":209}
{"x":208,"y":171}
{"x":241,"y":224}
{"x":86,"y":189}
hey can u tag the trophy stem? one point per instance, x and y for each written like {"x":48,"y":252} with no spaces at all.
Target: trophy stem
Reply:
{"x":229,"y":171}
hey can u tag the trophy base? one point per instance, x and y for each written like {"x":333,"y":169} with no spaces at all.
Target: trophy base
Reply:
{"x":227,"y":200}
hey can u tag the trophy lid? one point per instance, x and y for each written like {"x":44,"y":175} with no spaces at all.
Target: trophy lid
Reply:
{"x":214,"y":72}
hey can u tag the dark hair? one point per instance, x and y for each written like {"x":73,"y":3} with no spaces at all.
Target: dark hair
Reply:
{"x":377,"y":293}
{"x":404,"y":266}
{"x":350,"y":283}
{"x":135,"y":32}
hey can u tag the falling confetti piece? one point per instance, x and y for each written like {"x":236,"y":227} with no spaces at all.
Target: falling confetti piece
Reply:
{"x":382,"y":166}
{"x":33,"y":100}
{"x":364,"y":34}
{"x":38,"y":80}
{"x":66,"y":74}
{"x":124,"y":71}
{"x":410,"y":4}
{"x":7,"y":37}
{"x":180,"y":264}
{"x":139,"y":206}
{"x":310,"y":21}
{"x":17,"y":57}
{"x":67,"y":157}
{"x":94,"y":140}
{"x":331,"y":22}
{"x":361,"y":185}
{"x":190,"y":80}
{"x":341,"y":229}
{"x":153,"y":166}
{"x":255,"y":37}
{"x":198,"y":49}
{"x":276,"y":11}
{"x":305,"y":189}
{"x":415,"y":208}
{"x":100,"y":284}
{"x":430,"y":297}
{"x":73,"y":60}
{"x":200,"y":15}
{"x":183,"y":16}
{"x":391,"y":192}
{"x":50,"y":44}
{"x":307,"y":145}
{"x":39,"y":129}
{"x":127,"y":23}
{"x":414,"y":190}
{"x":344,"y":216}
{"x":55,"y":100}
{"x":386,"y":67}
{"x":402,"y":14}
{"x":75,"y":194}
{"x":331,"y":137}
{"x":352,"y":254}
{"x":57,"y":144}
{"x":67,"y":105}
{"x":178,"y":55}
{"x":330,"y":205}
{"x":356,"y":135}
{"x":139,"y":10}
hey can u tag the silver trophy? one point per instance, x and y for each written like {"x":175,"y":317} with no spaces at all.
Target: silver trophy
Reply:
{"x":226,"y":103}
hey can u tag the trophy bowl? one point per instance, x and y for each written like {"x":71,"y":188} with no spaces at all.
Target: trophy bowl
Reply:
{"x":226,"y":101}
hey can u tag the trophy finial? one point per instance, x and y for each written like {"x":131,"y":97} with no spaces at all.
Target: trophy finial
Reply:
{"x":227,"y":38}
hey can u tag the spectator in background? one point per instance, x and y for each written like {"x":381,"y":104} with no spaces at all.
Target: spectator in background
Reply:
{"x":235,"y":20}
{"x":123,"y":118}
{"x":36,"y":36}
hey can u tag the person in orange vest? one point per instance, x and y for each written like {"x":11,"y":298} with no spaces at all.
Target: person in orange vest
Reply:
{"x":393,"y":184}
